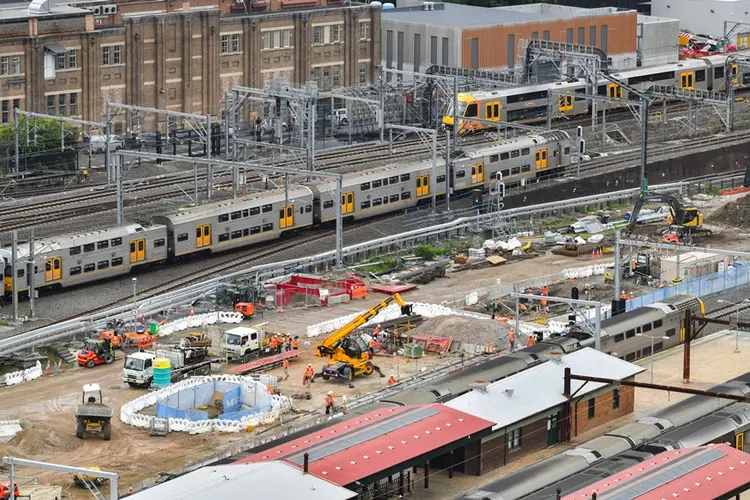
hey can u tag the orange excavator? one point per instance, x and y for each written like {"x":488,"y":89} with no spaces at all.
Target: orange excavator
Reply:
{"x":141,"y":340}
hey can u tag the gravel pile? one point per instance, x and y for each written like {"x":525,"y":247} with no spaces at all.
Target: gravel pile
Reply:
{"x":735,"y":213}
{"x":464,"y":329}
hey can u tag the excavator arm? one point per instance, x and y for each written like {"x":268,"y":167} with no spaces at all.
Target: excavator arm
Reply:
{"x":329,"y":345}
{"x":675,"y":208}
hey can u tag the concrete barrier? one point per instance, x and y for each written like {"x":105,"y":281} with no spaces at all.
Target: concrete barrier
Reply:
{"x":198,"y":320}
{"x":33,"y":373}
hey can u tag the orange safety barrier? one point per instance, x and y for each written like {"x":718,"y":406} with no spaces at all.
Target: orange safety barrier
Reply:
{"x":358,"y":292}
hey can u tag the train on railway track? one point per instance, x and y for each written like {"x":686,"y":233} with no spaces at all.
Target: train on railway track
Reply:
{"x":75,"y":259}
{"x":528,"y":104}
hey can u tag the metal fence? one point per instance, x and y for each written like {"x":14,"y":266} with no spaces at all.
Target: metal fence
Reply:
{"x":709,"y":284}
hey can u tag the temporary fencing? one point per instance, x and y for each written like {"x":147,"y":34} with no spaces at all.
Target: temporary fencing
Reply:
{"x":268,"y":407}
{"x":198,"y":320}
{"x":33,"y":373}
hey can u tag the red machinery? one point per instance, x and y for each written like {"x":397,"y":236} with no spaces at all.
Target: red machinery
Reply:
{"x":96,"y":352}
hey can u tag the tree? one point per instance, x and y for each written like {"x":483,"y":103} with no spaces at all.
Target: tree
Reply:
{"x":44,"y":134}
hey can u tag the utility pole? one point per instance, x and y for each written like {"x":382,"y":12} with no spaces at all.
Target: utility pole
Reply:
{"x":644,"y":141}
{"x":448,"y":170}
{"x":120,"y":192}
{"x":618,"y":266}
{"x":107,"y":139}
{"x":30,"y":272}
{"x":14,"y":272}
{"x":16,"y":167}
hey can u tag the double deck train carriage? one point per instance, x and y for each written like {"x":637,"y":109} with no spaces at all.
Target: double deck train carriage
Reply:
{"x":625,"y":335}
{"x":235,"y":223}
{"x":381,"y":190}
{"x":81,"y":258}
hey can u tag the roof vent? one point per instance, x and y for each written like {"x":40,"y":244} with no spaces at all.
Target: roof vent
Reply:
{"x":39,"y":7}
{"x":508,"y":392}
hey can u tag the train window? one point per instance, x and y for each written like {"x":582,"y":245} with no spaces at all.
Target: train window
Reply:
{"x":182,"y":237}
{"x":116,"y":242}
{"x":117,"y":261}
{"x":160,"y":242}
{"x":638,"y":353}
{"x":471,"y":110}
{"x":658,"y":347}
{"x":223,"y":217}
{"x":526,"y":168}
{"x":658,"y":323}
{"x":440,"y":178}
{"x":385,"y":200}
{"x":394,"y":198}
{"x":245,"y":232}
{"x":719,"y":72}
{"x":515,"y":154}
{"x":254,"y":211}
{"x":406,"y":195}
{"x":100,"y":245}
{"x":460,"y":174}
{"x":566,"y":151}
{"x":602,"y":90}
{"x":75,"y":270}
{"x":328,"y":204}
{"x":385,"y":181}
{"x":89,"y":267}
{"x":267,"y":227}
{"x":647,"y":327}
{"x":20,"y":273}
{"x":669,"y":75}
{"x":494,"y":158}
{"x":531,"y":96}
{"x":630,"y":356}
{"x":580,"y":91}
{"x":104,"y":264}
{"x":245,"y":212}
{"x":646,"y":351}
{"x":224,"y":237}
{"x":236,"y":234}
{"x":638,"y":330}
{"x":88,"y":247}
{"x":515,"y":170}
{"x":493,"y":176}
{"x":376,"y":184}
{"x":393,"y":180}
{"x":505,"y":173}
{"x":255,"y":230}
{"x":630,"y":334}
{"x":75,"y":250}
{"x":619,"y":338}
{"x":700,"y":75}
{"x":527,"y":113}
{"x":504,"y":156}
{"x":364,"y":204}
{"x":377,"y":202}
{"x":267,"y":208}
{"x":308,"y":209}
{"x":364,"y":186}
{"x":236,"y":215}
{"x":405,"y":177}
{"x":671,"y":332}
{"x":525,"y":152}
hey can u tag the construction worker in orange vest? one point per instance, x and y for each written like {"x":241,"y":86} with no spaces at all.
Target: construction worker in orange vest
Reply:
{"x":545,"y":292}
{"x":309,"y":375}
{"x":392,"y":380}
{"x":288,"y":343}
{"x":623,"y":295}
{"x":371,"y":347}
{"x":192,"y":313}
{"x":285,"y":365}
{"x":295,"y":343}
{"x":512,"y":338}
{"x":531,"y":341}
{"x":272,"y":344}
{"x":631,"y":296}
{"x":328,"y":399}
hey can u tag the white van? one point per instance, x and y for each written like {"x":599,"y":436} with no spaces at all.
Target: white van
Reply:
{"x":97,"y":143}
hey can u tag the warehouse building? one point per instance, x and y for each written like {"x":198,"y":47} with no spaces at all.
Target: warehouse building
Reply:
{"x":706,"y":16}
{"x":178,"y":56}
{"x":420,"y":34}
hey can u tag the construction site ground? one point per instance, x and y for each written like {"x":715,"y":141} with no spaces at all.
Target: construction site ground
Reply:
{"x":46,"y":406}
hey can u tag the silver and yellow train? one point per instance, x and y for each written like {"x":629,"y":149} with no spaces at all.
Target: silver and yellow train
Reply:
{"x":530,"y":103}
{"x":75,"y":259}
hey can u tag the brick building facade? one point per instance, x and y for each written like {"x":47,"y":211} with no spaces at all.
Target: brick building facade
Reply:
{"x":69,"y":61}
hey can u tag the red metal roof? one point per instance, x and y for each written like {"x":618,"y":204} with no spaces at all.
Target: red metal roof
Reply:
{"x":358,"y":448}
{"x":702,"y":473}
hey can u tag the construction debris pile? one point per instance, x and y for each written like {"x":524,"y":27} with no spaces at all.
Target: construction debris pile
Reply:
{"x":466,"y":332}
{"x":735,"y":213}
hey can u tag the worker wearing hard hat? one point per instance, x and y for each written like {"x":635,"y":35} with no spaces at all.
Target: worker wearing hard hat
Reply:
{"x":328,"y":399}
{"x":392,"y":380}
{"x":309,"y":375}
{"x":285,"y":365}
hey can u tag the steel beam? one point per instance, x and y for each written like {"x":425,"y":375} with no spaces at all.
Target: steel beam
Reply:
{"x":574,"y":302}
{"x":112,"y":476}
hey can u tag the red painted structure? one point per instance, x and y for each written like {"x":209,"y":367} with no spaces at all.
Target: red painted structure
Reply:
{"x":264,"y":363}
{"x":380,"y":443}
{"x":702,"y":473}
{"x":298,"y":286}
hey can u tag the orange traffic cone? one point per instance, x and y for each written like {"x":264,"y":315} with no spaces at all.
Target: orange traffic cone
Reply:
{"x":48,"y":370}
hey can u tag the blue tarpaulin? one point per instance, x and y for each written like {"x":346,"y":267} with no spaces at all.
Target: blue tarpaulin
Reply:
{"x":231,"y":400}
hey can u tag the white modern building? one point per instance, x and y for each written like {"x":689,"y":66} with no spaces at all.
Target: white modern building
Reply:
{"x":705,"y":16}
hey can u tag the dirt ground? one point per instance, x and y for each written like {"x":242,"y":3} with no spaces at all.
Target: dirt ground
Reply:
{"x":46,"y":406}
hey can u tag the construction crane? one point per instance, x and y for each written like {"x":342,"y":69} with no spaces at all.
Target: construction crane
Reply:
{"x":349,"y":356}
{"x":688,"y":220}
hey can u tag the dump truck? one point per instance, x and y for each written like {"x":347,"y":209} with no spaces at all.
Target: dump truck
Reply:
{"x":92,"y":414}
{"x":186,"y":361}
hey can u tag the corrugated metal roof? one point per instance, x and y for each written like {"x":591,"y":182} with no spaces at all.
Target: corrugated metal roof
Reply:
{"x":524,"y":394}
{"x":356,"y":449}
{"x":688,"y":474}
{"x":268,"y":480}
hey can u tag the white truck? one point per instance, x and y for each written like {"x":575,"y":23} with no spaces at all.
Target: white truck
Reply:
{"x":239,"y":343}
{"x":139,"y":370}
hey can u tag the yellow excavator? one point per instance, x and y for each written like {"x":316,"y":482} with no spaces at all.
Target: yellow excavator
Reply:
{"x":349,"y":355}
{"x":684,"y":221}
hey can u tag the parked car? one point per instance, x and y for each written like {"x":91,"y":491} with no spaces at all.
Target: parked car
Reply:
{"x":98,"y":143}
{"x":148,"y":139}
{"x":183,"y":136}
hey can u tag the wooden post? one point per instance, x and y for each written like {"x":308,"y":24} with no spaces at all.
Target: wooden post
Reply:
{"x":426,"y":475}
{"x":450,"y":469}
{"x":566,"y":409}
